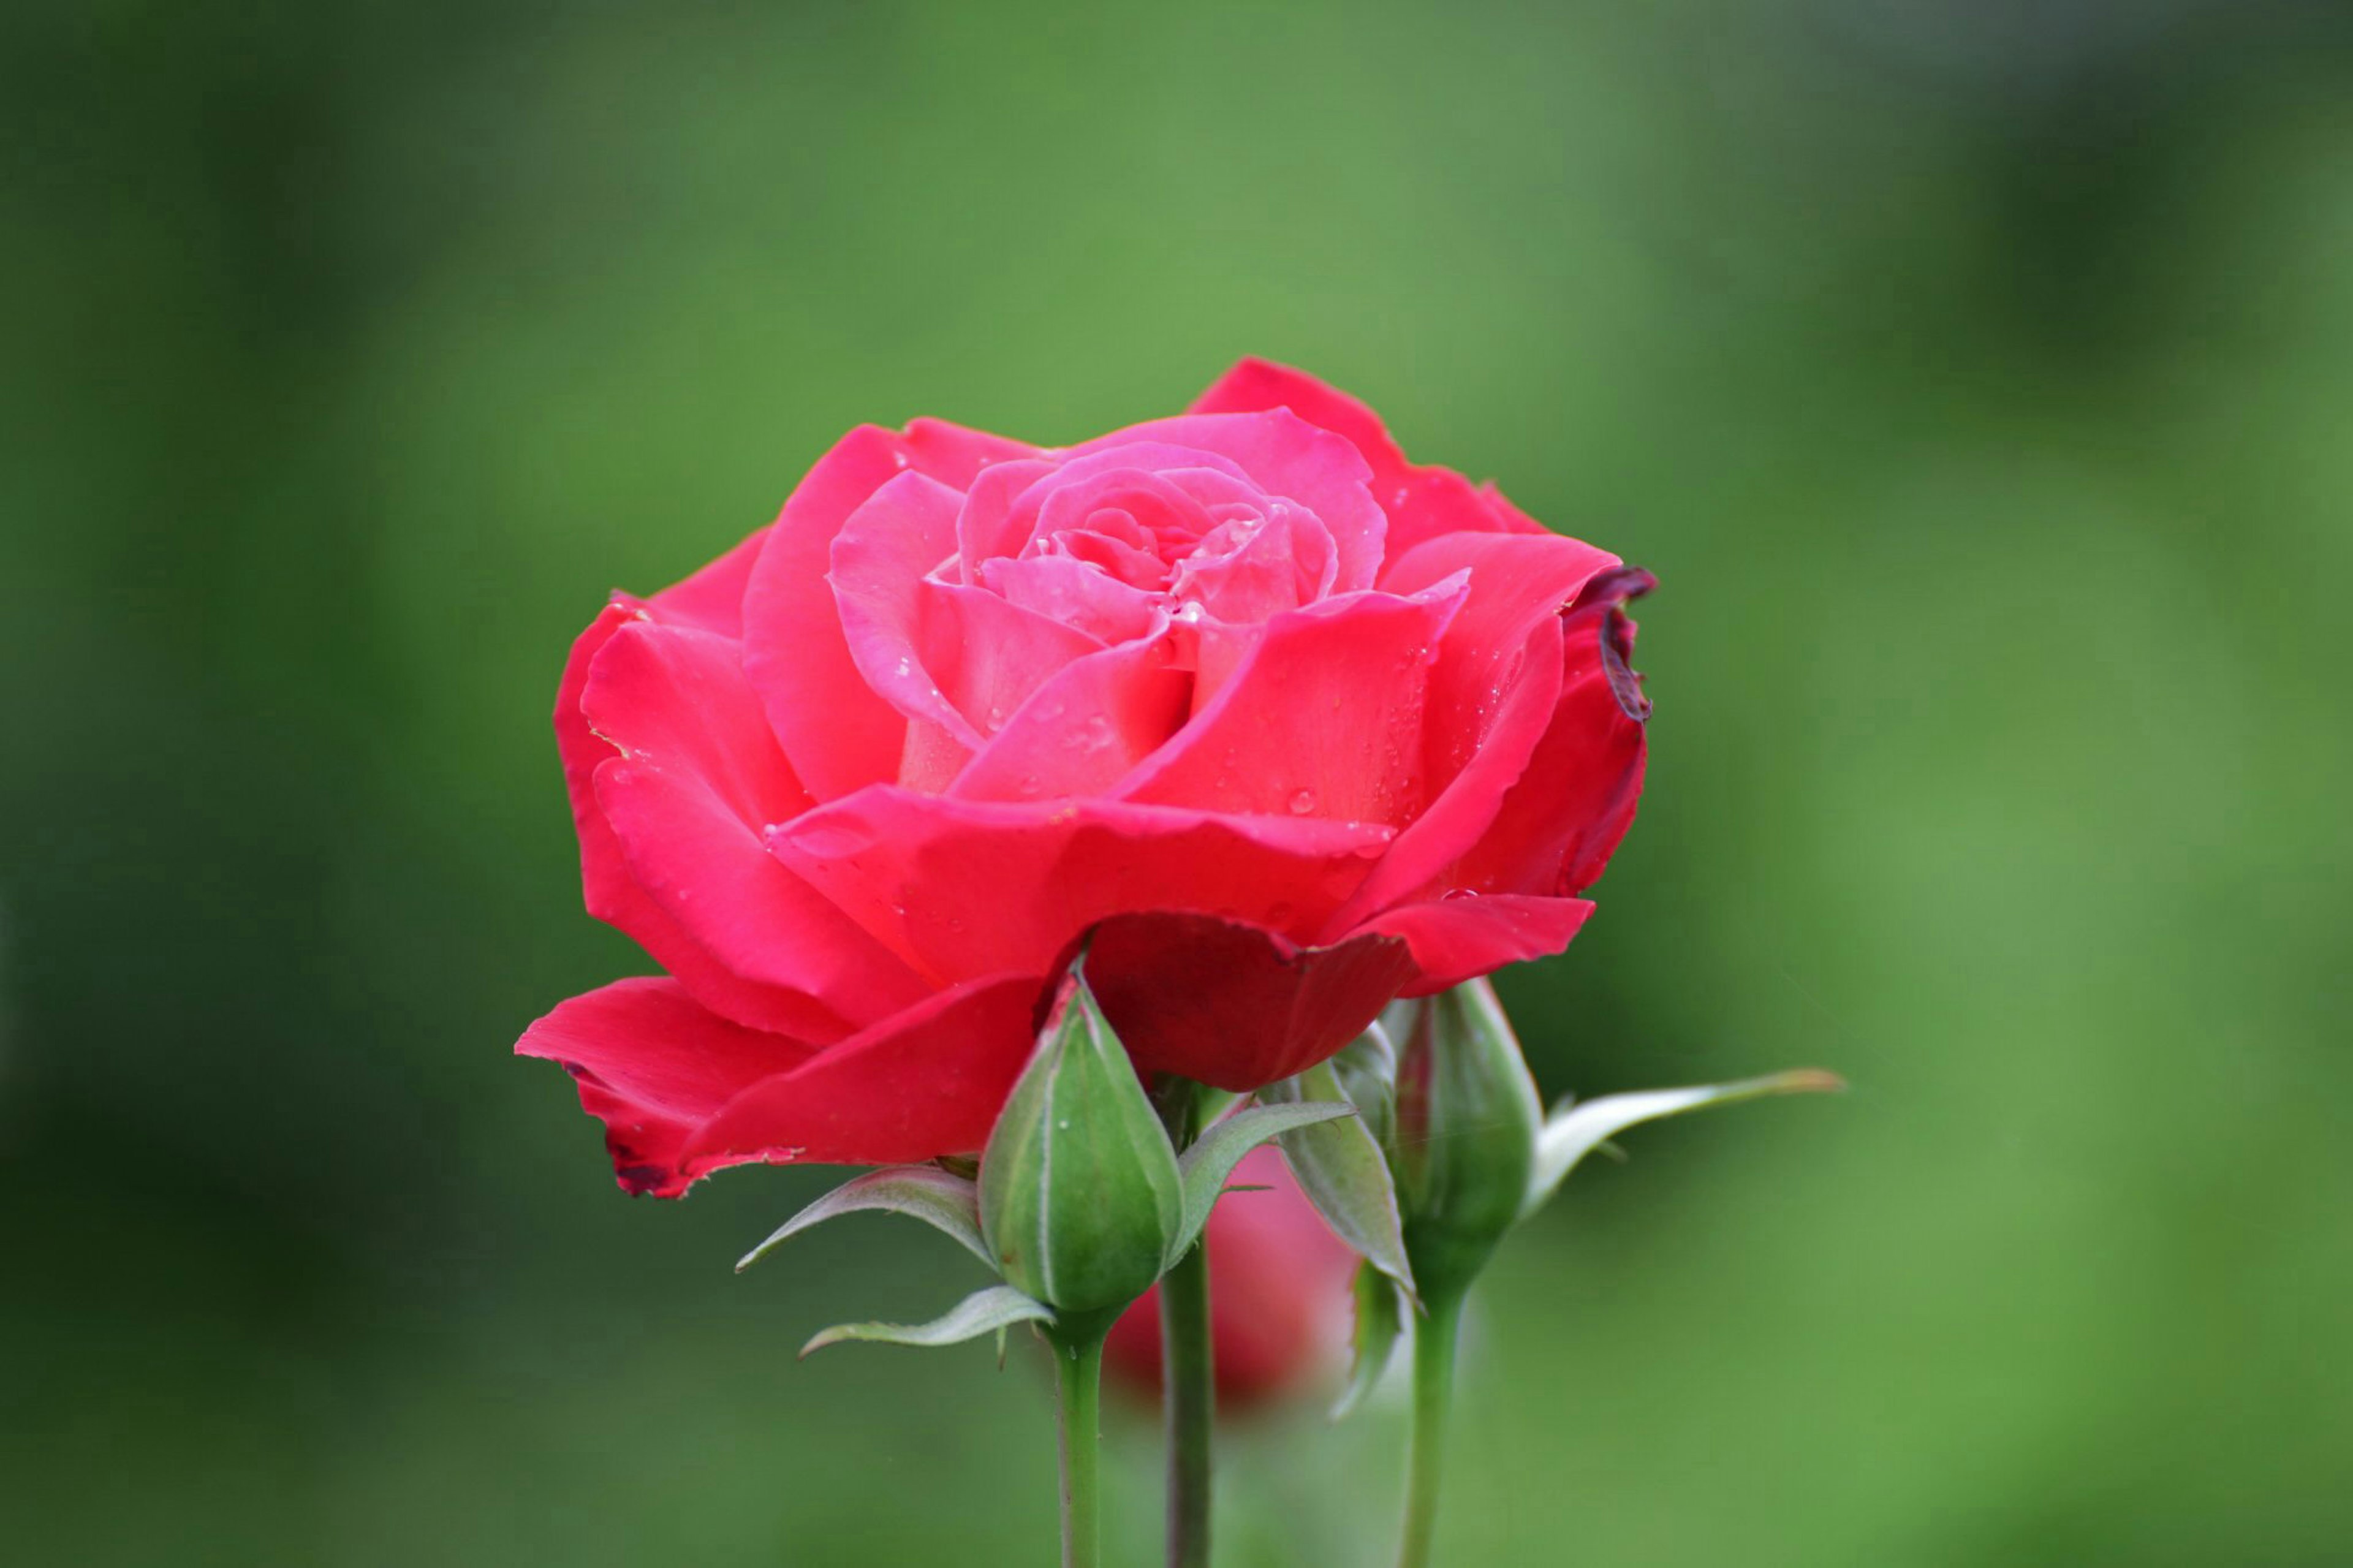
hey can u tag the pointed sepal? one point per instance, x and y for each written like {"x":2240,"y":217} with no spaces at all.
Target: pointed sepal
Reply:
{"x":1214,"y":1154}
{"x":1576,"y":1129}
{"x":1079,"y":1193}
{"x":1380,"y":1319}
{"x":1366,"y":1068}
{"x":988,"y":1311}
{"x":947,"y":1201}
{"x":1341,"y":1168}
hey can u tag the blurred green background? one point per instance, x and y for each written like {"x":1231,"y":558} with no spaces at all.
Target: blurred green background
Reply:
{"x":1978,"y":379}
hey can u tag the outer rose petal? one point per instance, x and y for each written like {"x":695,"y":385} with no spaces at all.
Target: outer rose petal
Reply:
{"x":927,"y":1082}
{"x":1492,"y":695}
{"x":1322,"y":718}
{"x":683,"y":1092}
{"x":1234,"y":1004}
{"x":1280,"y":1295}
{"x":1422,"y":502}
{"x":613,"y":894}
{"x":1457,"y":940}
{"x":1558,"y":827}
{"x":694,"y":780}
{"x":1517,"y":582}
{"x":653,"y":1066}
{"x":1002,"y":888}
{"x":1421,"y":864}
{"x":837,"y":732}
{"x":713,"y":599}
{"x":675,"y":697}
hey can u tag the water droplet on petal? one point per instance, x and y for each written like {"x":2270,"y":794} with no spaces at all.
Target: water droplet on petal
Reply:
{"x":1302,"y":803}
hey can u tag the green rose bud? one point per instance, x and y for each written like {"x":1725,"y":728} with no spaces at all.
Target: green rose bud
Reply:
{"x":1080,"y":1196}
{"x":1464,"y":1139}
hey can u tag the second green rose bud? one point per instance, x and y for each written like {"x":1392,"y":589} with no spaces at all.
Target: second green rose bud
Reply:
{"x":1464,"y":1140}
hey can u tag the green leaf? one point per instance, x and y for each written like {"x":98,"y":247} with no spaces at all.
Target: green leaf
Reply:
{"x":1344,"y":1173}
{"x":1574,"y":1131}
{"x":1213,"y":1156}
{"x":1079,"y":1191}
{"x":1379,"y":1324}
{"x":982,"y":1313}
{"x":947,"y":1203}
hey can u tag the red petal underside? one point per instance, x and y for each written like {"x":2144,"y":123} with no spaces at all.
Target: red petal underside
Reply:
{"x":653,"y":1064}
{"x":683,"y":1092}
{"x":926,"y":1083}
{"x":1455,"y":940}
{"x":1234,"y":1004}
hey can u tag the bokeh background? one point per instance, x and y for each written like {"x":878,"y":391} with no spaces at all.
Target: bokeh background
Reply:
{"x":1978,"y":379}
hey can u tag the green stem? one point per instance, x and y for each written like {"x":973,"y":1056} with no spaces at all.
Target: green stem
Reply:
{"x":1188,"y":1365}
{"x":1078,"y":1376}
{"x":1434,"y":1389}
{"x":1188,"y":1374}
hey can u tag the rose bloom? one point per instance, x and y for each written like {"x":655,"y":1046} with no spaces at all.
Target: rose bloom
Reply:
{"x":1282,"y":1296}
{"x":1285,"y":725}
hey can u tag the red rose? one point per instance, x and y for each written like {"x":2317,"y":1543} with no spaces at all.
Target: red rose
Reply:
{"x":1281,"y":1295}
{"x":1292,"y":726}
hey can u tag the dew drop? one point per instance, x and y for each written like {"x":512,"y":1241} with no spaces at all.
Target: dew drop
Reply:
{"x":1302,"y":803}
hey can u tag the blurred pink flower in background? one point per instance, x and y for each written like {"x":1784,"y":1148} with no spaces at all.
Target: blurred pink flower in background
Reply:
{"x":1280,"y":1297}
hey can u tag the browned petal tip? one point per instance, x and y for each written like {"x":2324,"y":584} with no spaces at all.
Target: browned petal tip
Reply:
{"x":1610,"y":591}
